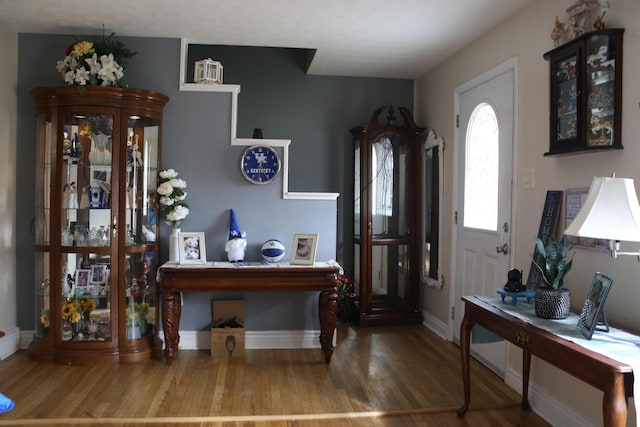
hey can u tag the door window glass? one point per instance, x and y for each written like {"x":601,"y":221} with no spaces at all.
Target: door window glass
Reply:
{"x":481,"y":169}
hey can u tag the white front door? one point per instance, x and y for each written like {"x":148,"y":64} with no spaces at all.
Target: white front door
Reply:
{"x":483,"y":201}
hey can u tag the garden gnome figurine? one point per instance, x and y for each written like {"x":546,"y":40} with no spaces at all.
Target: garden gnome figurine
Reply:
{"x":236,"y":244}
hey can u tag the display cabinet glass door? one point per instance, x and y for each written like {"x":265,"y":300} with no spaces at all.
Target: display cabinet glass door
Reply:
{"x":141,"y":218}
{"x":45,"y":159}
{"x":88,"y":225}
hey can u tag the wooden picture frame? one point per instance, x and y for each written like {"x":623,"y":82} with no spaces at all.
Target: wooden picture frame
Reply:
{"x":192,"y":248}
{"x":593,"y":308}
{"x":303,"y":250}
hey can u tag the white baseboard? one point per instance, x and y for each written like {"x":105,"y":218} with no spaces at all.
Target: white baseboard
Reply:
{"x":435,"y":325}
{"x":10,"y":343}
{"x":201,"y":340}
{"x":546,"y":406}
{"x":255,"y":340}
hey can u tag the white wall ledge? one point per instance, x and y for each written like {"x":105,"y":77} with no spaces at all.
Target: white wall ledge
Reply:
{"x":234,"y":90}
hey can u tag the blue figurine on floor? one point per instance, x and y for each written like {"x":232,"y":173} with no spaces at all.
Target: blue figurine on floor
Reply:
{"x":6,"y":404}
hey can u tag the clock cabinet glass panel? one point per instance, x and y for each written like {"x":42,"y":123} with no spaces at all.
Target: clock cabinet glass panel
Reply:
{"x":96,"y":209}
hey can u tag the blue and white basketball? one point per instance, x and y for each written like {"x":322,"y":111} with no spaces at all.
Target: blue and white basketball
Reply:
{"x":272,"y":250}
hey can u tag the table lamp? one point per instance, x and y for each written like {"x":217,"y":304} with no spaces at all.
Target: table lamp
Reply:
{"x":610,"y":212}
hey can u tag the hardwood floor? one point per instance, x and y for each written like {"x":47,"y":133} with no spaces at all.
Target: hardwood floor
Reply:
{"x":379,"y":376}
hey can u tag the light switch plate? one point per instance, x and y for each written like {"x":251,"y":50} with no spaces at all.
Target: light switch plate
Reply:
{"x":528,"y":178}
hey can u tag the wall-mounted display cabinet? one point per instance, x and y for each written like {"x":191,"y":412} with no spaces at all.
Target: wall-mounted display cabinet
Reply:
{"x":96,"y":224}
{"x":586,"y":93}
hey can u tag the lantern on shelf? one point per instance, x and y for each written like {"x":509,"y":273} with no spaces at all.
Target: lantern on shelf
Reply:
{"x":208,"y":71}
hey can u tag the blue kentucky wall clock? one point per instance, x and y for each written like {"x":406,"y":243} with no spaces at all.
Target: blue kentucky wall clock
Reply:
{"x":260,"y":164}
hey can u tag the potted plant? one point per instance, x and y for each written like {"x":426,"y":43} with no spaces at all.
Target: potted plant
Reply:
{"x":552,"y":299}
{"x":346,"y":291}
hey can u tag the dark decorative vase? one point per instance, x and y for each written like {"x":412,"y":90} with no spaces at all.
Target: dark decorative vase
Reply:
{"x":553,"y":304}
{"x":345,"y":310}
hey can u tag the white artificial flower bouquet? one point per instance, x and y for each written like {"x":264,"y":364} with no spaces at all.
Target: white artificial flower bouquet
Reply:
{"x":172,"y":194}
{"x":101,"y":64}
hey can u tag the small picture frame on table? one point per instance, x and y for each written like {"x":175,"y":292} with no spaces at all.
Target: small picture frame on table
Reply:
{"x":192,"y":248}
{"x":593,"y":308}
{"x":303,"y":250}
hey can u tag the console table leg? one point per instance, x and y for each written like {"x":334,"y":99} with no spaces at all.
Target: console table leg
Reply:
{"x":526,"y":367}
{"x":328,"y":309}
{"x":171,"y":310}
{"x":465,"y":339}
{"x":614,"y":403}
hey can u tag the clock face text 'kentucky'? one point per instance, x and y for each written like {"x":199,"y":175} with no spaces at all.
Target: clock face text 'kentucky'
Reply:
{"x":260,"y":164}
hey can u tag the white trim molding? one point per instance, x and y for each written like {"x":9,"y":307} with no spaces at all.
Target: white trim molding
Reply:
{"x":234,"y":90}
{"x":10,"y":343}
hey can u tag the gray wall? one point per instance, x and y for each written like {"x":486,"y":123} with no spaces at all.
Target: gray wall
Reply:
{"x":315,"y":112}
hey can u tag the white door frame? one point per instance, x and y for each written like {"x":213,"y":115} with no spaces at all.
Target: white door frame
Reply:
{"x":510,"y":64}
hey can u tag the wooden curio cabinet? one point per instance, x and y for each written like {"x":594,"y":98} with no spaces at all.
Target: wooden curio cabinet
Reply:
{"x":96,"y":224}
{"x":586,"y":93}
{"x":387,"y":199}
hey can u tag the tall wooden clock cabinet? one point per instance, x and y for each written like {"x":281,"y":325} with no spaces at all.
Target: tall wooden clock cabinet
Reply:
{"x":386,"y":203}
{"x":96,"y":224}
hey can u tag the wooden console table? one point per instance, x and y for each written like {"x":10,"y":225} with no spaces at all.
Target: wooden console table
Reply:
{"x":614,"y":378}
{"x":227,"y":277}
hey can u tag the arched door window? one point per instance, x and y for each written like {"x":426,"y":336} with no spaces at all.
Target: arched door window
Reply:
{"x":481,"y":169}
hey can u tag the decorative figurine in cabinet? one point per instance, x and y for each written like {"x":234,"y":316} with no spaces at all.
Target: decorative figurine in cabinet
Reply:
{"x":586,"y":93}
{"x":97,"y":157}
{"x":387,"y":195}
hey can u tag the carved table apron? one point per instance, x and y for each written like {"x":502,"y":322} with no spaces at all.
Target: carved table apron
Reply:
{"x":560,"y":344}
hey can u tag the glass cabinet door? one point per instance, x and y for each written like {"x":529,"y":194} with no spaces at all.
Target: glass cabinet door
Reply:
{"x":601,"y":90}
{"x":45,"y":158}
{"x":141,"y":219}
{"x":86,"y":218}
{"x":388,"y":207}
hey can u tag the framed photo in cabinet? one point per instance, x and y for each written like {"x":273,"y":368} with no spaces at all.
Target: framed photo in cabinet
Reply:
{"x":82,"y":281}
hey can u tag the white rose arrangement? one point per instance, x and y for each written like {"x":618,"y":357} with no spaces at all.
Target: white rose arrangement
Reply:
{"x":172,"y":194}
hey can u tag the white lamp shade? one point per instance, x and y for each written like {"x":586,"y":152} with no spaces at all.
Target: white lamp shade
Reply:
{"x":610,"y":212}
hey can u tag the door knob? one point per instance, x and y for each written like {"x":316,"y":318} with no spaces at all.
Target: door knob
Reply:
{"x":504,"y":248}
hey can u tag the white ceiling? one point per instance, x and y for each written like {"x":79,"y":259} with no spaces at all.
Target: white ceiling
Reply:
{"x":366,"y":38}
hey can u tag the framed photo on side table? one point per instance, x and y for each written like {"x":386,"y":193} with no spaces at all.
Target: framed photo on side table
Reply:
{"x":593,"y":307}
{"x":303,"y":251}
{"x":192,"y":248}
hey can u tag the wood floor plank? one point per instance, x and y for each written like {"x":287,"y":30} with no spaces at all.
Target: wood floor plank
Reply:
{"x":378,"y":377}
